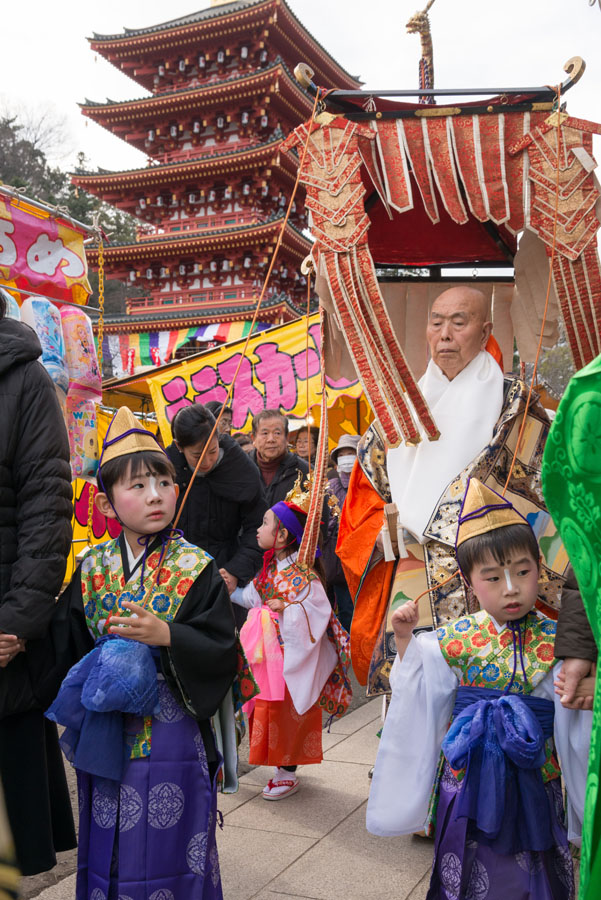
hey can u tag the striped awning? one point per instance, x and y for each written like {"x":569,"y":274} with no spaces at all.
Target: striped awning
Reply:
{"x":158,"y":347}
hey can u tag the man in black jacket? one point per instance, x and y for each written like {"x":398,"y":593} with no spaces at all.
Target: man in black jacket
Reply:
{"x":35,"y":539}
{"x":279,"y":467}
{"x":226,"y":502}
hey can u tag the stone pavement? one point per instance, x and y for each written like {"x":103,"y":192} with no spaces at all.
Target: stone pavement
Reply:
{"x":313,"y":845}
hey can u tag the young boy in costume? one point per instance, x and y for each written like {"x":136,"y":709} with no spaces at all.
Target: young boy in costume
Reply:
{"x":497,"y":803}
{"x":293,"y":643}
{"x":137,"y":707}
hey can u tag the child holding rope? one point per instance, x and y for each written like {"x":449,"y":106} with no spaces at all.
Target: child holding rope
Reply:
{"x":137,"y":707}
{"x":291,"y":638}
{"x":496,"y":808}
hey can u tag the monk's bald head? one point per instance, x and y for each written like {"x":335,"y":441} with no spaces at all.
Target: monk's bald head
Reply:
{"x":458,"y":328}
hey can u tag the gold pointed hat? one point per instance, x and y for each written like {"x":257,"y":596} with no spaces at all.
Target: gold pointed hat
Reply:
{"x":484,"y":510}
{"x":125,"y":435}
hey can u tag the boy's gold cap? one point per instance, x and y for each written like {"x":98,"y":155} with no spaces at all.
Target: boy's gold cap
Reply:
{"x":125,"y":435}
{"x":484,"y":510}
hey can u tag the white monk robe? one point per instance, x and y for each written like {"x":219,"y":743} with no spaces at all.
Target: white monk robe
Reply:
{"x":423,"y":696}
{"x":307,"y":666}
{"x":466,"y":411}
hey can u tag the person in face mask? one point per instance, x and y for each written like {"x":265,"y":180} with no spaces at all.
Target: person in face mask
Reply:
{"x":343,"y":457}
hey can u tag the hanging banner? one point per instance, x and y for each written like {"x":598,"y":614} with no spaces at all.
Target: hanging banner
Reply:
{"x":273,"y":375}
{"x":41,"y":254}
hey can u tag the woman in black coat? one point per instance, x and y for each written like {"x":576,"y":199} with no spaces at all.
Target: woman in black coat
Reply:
{"x":35,"y":539}
{"x":226,"y":503}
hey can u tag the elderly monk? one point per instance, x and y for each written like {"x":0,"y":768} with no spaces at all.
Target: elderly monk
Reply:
{"x":475,"y":409}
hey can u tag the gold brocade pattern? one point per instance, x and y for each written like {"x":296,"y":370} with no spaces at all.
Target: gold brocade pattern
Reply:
{"x":491,"y":467}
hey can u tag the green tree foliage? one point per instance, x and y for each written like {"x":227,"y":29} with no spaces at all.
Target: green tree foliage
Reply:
{"x":24,"y":164}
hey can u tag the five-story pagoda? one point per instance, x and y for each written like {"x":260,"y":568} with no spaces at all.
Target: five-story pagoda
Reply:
{"x":210,"y":201}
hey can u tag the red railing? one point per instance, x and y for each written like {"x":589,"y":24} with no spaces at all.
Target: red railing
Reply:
{"x":208,"y":223}
{"x":192,"y":299}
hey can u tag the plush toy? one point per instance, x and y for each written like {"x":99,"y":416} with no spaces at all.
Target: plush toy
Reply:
{"x":45,"y":320}
{"x":80,"y":351}
{"x":83,"y":440}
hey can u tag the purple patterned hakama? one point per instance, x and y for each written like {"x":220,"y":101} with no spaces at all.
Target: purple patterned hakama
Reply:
{"x":152,"y":836}
{"x":465,"y":869}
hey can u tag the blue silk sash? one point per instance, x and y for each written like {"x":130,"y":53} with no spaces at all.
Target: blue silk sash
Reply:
{"x":500,"y":741}
{"x":118,"y":676}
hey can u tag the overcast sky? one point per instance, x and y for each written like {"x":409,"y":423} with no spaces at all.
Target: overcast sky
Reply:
{"x":46,"y":61}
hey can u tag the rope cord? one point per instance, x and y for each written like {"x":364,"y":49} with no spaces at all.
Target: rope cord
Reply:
{"x":301,"y":604}
{"x":540,"y":341}
{"x":318,"y":94}
{"x":307,"y":370}
{"x":549,"y":283}
{"x":91,"y":495}
{"x":437,"y":586}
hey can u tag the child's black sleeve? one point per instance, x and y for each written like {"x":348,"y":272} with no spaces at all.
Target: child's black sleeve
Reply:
{"x":201,"y":661}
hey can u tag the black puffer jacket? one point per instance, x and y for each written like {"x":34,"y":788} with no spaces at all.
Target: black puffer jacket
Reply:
{"x":224,"y":509}
{"x":35,"y":502}
{"x":284,"y":478}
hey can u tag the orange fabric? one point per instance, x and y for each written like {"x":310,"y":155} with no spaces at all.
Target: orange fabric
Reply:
{"x":493,"y":348}
{"x":360,"y":523}
{"x":279,"y":736}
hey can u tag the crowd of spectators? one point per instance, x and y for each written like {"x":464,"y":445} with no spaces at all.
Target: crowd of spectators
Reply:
{"x":241,"y":476}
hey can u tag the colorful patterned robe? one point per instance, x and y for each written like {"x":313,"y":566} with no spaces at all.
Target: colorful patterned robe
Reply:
{"x":378,"y":587}
{"x":153,"y":834}
{"x":474,"y":651}
{"x":288,"y":732}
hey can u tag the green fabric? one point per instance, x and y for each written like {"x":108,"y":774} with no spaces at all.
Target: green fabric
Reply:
{"x":571,"y":478}
{"x":145,"y":358}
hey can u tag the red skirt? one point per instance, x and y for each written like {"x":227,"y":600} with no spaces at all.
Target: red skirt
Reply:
{"x":279,"y":736}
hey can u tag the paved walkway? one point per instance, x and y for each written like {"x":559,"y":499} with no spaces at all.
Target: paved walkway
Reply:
{"x":313,"y":846}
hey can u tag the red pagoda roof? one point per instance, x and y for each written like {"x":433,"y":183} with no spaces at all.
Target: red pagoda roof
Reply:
{"x":239,"y":237}
{"x":275,"y":79}
{"x":245,"y":160}
{"x":240,"y":15}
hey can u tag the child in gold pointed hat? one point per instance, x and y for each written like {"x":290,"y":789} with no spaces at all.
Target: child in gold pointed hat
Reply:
{"x":293,"y":642}
{"x":160,"y":622}
{"x":488,"y":787}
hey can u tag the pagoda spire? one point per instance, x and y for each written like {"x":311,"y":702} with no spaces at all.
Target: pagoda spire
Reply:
{"x":220,"y":96}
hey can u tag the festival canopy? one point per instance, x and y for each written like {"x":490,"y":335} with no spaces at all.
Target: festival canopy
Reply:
{"x":398,"y":184}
